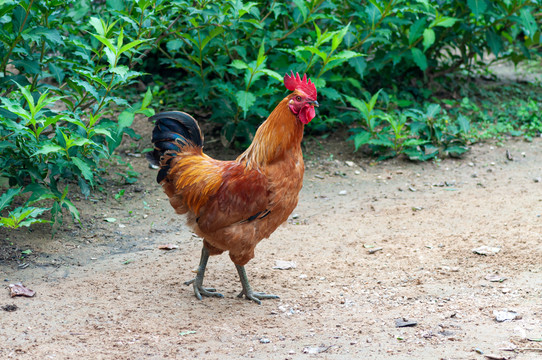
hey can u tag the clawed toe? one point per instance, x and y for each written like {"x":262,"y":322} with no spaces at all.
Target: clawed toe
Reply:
{"x":257,"y":296}
{"x":200,"y":291}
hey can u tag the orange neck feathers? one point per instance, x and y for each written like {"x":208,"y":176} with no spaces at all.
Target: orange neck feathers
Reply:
{"x":279,"y":133}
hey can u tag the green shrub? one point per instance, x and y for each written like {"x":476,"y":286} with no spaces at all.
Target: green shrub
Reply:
{"x":61,"y":69}
{"x":63,"y":64}
{"x":347,"y":47}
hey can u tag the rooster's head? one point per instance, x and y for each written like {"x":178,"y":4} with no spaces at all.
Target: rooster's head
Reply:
{"x":303,"y":99}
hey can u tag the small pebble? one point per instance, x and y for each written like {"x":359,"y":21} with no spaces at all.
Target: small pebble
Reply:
{"x":506,"y":315}
{"x":343,"y":192}
{"x":265,"y":340}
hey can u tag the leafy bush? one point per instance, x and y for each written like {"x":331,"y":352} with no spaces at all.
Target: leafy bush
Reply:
{"x":421,"y":135}
{"x":60,"y":71}
{"x":63,"y":64}
{"x":217,"y":47}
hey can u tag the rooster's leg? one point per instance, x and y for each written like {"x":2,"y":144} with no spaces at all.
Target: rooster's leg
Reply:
{"x":197,"y":282}
{"x":247,"y":290}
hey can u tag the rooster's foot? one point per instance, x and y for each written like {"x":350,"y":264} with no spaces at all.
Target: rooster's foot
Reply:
{"x":197,"y":282}
{"x":200,"y":291}
{"x":247,"y":290}
{"x":256,"y":296}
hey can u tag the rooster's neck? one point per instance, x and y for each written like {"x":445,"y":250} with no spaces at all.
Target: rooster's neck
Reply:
{"x":281,"y":132}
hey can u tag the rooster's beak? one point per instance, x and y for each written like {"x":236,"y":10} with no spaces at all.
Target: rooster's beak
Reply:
{"x":315,"y":103}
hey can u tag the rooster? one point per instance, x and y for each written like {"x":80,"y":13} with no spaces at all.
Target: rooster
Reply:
{"x":233,"y":205}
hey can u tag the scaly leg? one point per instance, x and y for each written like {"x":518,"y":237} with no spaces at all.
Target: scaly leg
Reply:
{"x":247,"y":290}
{"x":199,"y":290}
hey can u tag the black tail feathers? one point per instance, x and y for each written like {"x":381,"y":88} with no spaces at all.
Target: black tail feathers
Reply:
{"x":173,"y":130}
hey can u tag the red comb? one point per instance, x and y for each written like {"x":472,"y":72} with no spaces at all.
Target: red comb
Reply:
{"x":293,"y":82}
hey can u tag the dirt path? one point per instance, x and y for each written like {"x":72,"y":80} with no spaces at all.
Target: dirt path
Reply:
{"x":105,"y":290}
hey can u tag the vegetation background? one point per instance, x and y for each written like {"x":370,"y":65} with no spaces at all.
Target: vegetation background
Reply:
{"x":407,"y":78}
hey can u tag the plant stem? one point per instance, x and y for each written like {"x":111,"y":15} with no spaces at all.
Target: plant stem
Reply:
{"x":4,"y":64}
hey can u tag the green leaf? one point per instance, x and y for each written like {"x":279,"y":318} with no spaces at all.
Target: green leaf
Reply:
{"x":374,"y":14}
{"x":261,"y":55}
{"x":87,"y":87}
{"x":29,"y":98}
{"x":313,"y":50}
{"x":275,"y":75}
{"x":359,"y":64}
{"x":464,"y":124}
{"x":414,"y":142}
{"x":146,"y":99}
{"x":494,"y":42}
{"x":85,"y":169}
{"x":245,"y":100}
{"x":130,"y":45}
{"x":382,"y":141}
{"x":51,"y":35}
{"x":528,"y":21}
{"x":456,"y":150}
{"x":330,"y":93}
{"x":361,"y":139}
{"x":126,"y":118}
{"x":416,"y":30}
{"x":478,"y":7}
{"x":121,"y":70}
{"x":111,"y":57}
{"x":338,"y":37}
{"x":300,"y":4}
{"x":71,"y":208}
{"x":22,"y":213}
{"x":433,"y":110}
{"x":106,"y":42}
{"x":29,"y":66}
{"x":14,"y":107}
{"x":57,"y":72}
{"x":358,"y":104}
{"x":445,"y":21}
{"x":239,"y":64}
{"x":80,"y":141}
{"x":373,"y":100}
{"x":419,"y":58}
{"x":213,"y":33}
{"x":102,"y":131}
{"x":98,"y":24}
{"x":31,"y":221}
{"x":174,"y":45}
{"x":345,"y":55}
{"x":47,"y":149}
{"x":7,"y":197}
{"x":428,"y":38}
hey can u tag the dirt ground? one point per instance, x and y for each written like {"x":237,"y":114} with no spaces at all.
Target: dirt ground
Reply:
{"x":372,"y":243}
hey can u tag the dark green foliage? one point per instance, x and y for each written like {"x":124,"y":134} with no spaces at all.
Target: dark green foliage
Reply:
{"x":381,"y":68}
{"x":61,"y":68}
{"x":222,"y":51}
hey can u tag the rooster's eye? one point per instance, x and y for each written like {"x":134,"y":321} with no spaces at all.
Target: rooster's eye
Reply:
{"x":298,"y":98}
